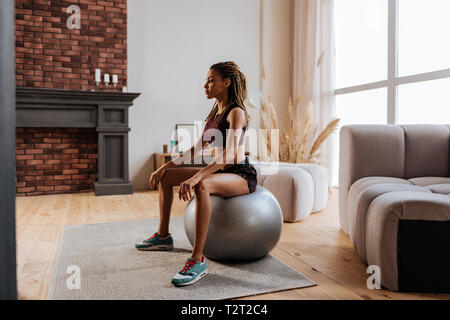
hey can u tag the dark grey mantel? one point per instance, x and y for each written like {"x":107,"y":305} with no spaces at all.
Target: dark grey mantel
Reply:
{"x":105,"y":111}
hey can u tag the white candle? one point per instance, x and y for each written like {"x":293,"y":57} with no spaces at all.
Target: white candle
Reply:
{"x":106,"y":78}
{"x":115,"y":78}
{"x":97,"y":75}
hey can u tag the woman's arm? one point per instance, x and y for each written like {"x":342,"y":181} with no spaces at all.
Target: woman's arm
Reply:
{"x":157,"y":175}
{"x":236,"y":119}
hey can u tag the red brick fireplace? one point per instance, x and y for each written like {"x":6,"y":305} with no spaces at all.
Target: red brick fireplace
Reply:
{"x":59,"y":132}
{"x":55,"y":160}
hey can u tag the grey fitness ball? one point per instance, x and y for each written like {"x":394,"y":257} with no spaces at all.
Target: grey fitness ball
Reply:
{"x":241,"y":228}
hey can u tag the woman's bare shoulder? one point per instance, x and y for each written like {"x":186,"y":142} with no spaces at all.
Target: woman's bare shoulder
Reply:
{"x":236,"y":115}
{"x":236,"y":112}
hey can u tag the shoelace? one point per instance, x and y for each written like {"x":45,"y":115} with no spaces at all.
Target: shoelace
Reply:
{"x":188,"y":265}
{"x":153,"y":236}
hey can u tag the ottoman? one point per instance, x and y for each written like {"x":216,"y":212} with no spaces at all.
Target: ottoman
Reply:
{"x":300,"y":188}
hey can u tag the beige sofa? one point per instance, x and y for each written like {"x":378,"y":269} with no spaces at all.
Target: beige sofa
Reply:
{"x":394,"y":187}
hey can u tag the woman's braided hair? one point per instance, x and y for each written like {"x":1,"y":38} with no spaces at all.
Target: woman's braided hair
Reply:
{"x":237,"y":91}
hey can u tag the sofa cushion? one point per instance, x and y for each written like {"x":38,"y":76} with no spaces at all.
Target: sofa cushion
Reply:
{"x":361,"y":195}
{"x":363,"y":183}
{"x":443,"y":188}
{"x":356,"y":188}
{"x":428,"y":181}
{"x":426,"y":150}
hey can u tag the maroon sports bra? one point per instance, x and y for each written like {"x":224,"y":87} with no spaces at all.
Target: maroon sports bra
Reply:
{"x":219,"y":122}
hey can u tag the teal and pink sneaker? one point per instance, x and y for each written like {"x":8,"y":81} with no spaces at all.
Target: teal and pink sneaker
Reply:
{"x":156,"y":243}
{"x":192,"y":271}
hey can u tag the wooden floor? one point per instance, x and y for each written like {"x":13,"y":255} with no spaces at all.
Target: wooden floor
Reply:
{"x":315,"y":247}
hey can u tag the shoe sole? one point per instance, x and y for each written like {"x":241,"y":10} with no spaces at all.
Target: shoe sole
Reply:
{"x":161,"y":247}
{"x":200,"y":276}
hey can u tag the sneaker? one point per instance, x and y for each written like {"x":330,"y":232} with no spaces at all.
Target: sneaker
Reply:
{"x":192,"y":271}
{"x":155,"y":243}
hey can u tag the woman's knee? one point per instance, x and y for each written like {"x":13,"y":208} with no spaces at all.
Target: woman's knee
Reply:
{"x":164,"y":183}
{"x":201,"y":187}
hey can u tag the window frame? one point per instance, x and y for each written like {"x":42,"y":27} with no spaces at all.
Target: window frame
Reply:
{"x":393,"y":80}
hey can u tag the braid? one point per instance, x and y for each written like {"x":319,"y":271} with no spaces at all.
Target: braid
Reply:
{"x":237,"y":91}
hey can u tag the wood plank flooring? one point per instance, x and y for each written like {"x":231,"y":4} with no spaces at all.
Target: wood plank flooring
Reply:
{"x":316,"y":247}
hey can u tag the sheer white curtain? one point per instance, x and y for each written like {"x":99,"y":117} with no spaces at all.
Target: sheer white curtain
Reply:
{"x":314,"y":64}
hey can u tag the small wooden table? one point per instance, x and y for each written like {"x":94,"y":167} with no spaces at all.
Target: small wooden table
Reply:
{"x":162,"y":158}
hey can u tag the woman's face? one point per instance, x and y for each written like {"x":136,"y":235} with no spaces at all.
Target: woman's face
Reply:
{"x":215,"y":86}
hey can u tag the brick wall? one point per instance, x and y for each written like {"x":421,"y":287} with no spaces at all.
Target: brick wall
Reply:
{"x":50,"y":55}
{"x":55,"y":160}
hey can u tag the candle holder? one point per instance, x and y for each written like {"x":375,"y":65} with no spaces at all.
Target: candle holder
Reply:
{"x":97,"y":79}
{"x":106,"y":80}
{"x":115,"y":80}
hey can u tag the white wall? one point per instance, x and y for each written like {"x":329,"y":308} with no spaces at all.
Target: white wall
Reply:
{"x":171,"y":45}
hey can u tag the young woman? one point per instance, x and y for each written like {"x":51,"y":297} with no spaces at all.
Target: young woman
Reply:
{"x":228,"y":174}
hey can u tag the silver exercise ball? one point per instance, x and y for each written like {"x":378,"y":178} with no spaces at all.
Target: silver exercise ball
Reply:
{"x":241,"y":228}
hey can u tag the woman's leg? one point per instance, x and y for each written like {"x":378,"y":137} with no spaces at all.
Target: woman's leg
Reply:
{"x":172,"y":177}
{"x":222,"y":185}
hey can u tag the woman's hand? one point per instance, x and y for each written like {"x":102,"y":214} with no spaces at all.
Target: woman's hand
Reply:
{"x":156,"y":177}
{"x":185,"y":192}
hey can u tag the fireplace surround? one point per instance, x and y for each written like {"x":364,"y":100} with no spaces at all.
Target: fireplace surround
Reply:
{"x":107,"y":112}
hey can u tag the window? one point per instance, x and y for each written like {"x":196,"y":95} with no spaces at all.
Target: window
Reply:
{"x":392,"y":63}
{"x":424,"y":102}
{"x":361,"y":41}
{"x":423,"y":28}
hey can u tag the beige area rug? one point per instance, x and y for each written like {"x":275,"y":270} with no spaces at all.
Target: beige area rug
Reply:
{"x":99,"y":261}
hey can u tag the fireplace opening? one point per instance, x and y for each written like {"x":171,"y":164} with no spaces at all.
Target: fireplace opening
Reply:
{"x":55,"y":160}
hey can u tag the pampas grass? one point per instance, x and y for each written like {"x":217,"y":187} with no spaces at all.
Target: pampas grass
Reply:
{"x":267,"y":120}
{"x":299,"y":142}
{"x":329,"y":129}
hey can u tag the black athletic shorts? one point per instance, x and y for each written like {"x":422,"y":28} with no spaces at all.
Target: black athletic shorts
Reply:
{"x":246,"y":171}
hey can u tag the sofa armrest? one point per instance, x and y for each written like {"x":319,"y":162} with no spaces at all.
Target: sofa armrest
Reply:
{"x":368,"y":150}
